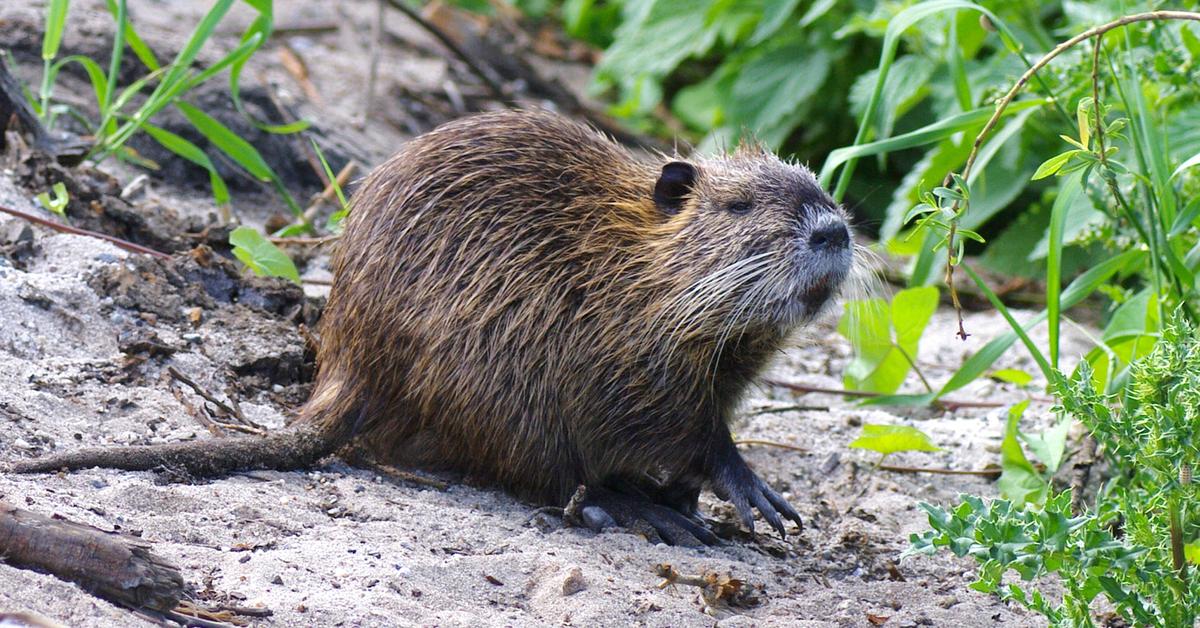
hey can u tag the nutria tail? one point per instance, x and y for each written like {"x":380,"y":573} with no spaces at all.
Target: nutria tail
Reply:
{"x":326,"y":423}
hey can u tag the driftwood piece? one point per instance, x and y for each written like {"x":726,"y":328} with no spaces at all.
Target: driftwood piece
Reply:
{"x":13,"y":107}
{"x":112,"y":566}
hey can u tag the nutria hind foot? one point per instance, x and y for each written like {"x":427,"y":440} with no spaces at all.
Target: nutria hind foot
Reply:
{"x":605,"y":508}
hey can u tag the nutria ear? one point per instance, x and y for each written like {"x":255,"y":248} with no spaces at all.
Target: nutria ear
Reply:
{"x":673,"y":185}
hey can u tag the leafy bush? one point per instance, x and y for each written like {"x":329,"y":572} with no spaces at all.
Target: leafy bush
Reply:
{"x":1135,"y":546}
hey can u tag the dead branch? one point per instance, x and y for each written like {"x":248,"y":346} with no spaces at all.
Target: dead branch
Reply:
{"x":112,"y":566}
{"x":124,"y":244}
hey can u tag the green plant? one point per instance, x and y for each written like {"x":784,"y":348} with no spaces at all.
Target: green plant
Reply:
{"x":1150,"y":434}
{"x":124,"y":112}
{"x":891,"y":439}
{"x":260,"y":255}
{"x":58,"y":203}
{"x":885,"y":338}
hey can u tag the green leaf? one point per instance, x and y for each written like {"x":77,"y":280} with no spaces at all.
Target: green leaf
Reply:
{"x":885,"y":337}
{"x":194,"y":154}
{"x":925,"y":135}
{"x":57,"y":204}
{"x":1184,"y":220}
{"x":1013,"y":376}
{"x":228,"y":142}
{"x":1069,"y":191}
{"x":1019,"y":481}
{"x":1051,"y":445}
{"x":263,"y":257}
{"x":653,"y":39}
{"x":775,"y":13}
{"x":1190,"y":162}
{"x":56,"y":21}
{"x":139,"y":47}
{"x":814,"y":12}
{"x":772,"y":87}
{"x":1192,"y":552}
{"x":891,"y":40}
{"x":911,"y":310}
{"x":890,"y":439}
{"x":1054,"y":164}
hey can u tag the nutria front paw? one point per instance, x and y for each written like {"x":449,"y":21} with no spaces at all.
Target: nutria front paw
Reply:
{"x":733,"y":481}
{"x":603,"y":508}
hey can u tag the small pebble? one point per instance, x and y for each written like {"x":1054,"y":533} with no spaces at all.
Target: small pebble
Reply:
{"x":573,"y":583}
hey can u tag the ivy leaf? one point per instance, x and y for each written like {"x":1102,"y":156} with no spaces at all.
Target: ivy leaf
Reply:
{"x":263,"y":257}
{"x":890,"y":439}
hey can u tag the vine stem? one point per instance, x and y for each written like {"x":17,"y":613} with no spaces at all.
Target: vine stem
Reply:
{"x":1004,"y":102}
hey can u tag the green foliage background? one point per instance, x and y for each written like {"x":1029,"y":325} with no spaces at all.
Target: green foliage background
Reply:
{"x":797,"y":74}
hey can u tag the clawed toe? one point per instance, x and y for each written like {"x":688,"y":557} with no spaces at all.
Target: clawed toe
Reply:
{"x":603,"y":509}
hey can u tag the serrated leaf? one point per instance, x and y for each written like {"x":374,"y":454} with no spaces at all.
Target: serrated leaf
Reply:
{"x":263,"y":257}
{"x":890,"y":439}
{"x":772,"y":87}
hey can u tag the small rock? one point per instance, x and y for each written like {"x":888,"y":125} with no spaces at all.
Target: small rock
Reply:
{"x":573,"y":583}
{"x":948,"y":601}
{"x":192,"y":338}
{"x":277,"y":580}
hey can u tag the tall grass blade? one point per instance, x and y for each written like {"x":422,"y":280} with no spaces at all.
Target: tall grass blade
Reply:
{"x":1068,"y":192}
{"x":925,"y":135}
{"x":891,"y":40}
{"x":139,"y":47}
{"x":194,"y":154}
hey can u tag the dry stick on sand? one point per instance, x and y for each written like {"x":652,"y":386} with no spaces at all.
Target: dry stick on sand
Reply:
{"x":492,"y":84}
{"x":947,"y":404}
{"x":112,"y":566}
{"x":1152,"y":16}
{"x":124,"y":244}
{"x":242,"y":425}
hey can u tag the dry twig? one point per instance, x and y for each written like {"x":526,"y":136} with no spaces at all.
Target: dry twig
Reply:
{"x":124,"y":244}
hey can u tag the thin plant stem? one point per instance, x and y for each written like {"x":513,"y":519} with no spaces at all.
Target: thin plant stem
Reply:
{"x":1007,"y":99}
{"x":916,"y":369}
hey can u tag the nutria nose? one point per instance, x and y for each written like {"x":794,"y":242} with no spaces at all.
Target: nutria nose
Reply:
{"x":829,"y":237}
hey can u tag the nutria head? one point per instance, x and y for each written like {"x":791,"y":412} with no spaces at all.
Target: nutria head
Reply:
{"x":753,"y":243}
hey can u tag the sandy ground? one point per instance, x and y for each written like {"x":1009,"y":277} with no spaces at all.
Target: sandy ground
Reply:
{"x":83,"y":363}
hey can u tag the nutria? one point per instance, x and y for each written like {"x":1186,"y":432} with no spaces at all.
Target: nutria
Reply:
{"x":520,"y":299}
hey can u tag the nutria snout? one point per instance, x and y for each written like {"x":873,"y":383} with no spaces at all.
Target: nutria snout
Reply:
{"x":522,"y":300}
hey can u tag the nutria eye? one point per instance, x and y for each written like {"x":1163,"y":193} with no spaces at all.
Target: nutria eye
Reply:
{"x":738,"y":207}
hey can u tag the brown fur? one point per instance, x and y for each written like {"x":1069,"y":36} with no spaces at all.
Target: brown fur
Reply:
{"x":510,"y":302}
